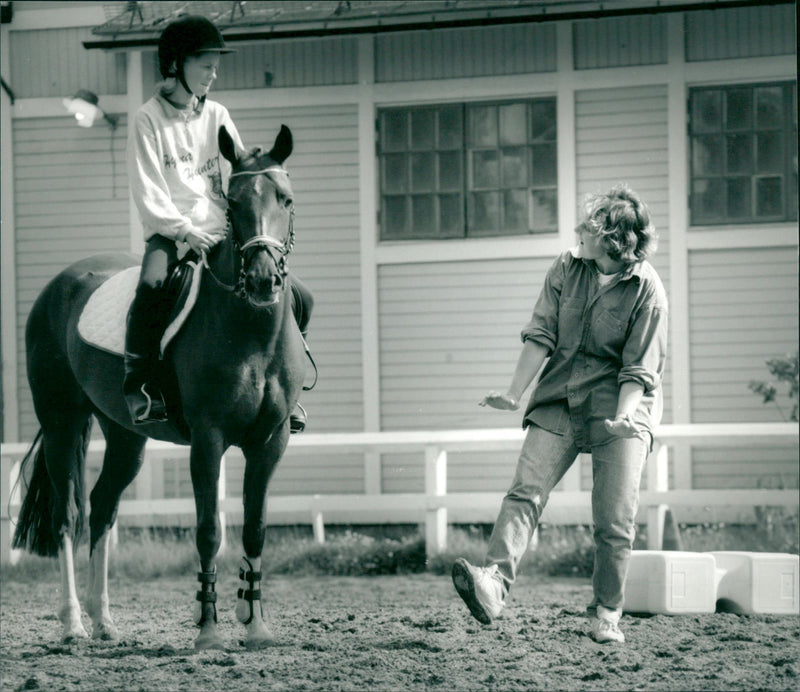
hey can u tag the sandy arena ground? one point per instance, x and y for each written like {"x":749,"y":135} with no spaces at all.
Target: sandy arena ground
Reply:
{"x":388,"y":633}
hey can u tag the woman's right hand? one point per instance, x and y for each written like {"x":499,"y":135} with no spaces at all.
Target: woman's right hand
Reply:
{"x":200,"y":241}
{"x":504,"y":402}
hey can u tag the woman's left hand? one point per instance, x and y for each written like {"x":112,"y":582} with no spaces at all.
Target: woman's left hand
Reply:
{"x":623,"y":426}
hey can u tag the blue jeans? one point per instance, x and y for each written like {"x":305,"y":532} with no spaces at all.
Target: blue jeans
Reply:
{"x":616,"y":469}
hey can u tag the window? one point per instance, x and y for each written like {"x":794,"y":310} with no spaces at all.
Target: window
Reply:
{"x":468,"y":170}
{"x":743,"y":148}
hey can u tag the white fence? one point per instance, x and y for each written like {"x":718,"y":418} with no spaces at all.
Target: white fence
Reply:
{"x":567,"y":506}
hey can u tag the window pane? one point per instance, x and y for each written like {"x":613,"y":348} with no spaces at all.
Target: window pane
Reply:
{"x":422,"y":215}
{"x":485,"y":169}
{"x":484,"y":211}
{"x":396,"y":217}
{"x":769,"y":152}
{"x":707,"y":111}
{"x":769,"y":107}
{"x":422,"y":129}
{"x":708,"y":198}
{"x":450,"y":128}
{"x":514,"y":168}
{"x":544,"y":169}
{"x":739,"y":112}
{"x":707,"y":155}
{"x":545,"y":210}
{"x":423,"y":172}
{"x":739,"y":153}
{"x":482,"y":128}
{"x":395,"y":173}
{"x":515,"y":210}
{"x":513,"y":121}
{"x":395,"y":130}
{"x":769,"y":196}
{"x":738,"y":194}
{"x":450,"y":171}
{"x":451,"y":222}
{"x":543,"y":121}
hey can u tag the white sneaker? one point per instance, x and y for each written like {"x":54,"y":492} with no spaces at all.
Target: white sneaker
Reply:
{"x":480,"y":588}
{"x":605,"y":626}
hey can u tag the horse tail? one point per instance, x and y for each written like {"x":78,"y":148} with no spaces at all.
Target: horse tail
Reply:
{"x":37,"y":530}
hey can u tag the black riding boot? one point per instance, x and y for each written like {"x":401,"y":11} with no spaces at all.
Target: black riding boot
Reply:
{"x":144,"y":399}
{"x":302,"y":305}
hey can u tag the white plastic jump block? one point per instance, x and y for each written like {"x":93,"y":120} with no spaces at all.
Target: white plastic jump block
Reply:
{"x":670,"y":582}
{"x":758,"y":582}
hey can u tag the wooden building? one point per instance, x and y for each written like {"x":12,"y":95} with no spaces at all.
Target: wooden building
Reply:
{"x":441,"y":152}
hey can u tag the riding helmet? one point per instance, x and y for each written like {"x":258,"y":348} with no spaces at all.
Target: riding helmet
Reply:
{"x":184,"y":37}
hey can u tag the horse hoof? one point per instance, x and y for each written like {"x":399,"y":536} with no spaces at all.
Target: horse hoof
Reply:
{"x":255,"y":643}
{"x":204,"y":642}
{"x":105,"y":631}
{"x":74,"y":634}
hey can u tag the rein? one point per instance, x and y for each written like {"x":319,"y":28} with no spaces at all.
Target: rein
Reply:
{"x":259,"y":241}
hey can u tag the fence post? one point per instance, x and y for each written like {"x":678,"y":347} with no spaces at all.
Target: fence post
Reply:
{"x":657,"y":481}
{"x":9,"y":510}
{"x":317,"y":521}
{"x":435,"y":487}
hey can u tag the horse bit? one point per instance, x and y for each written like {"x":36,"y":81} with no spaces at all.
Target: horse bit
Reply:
{"x":263,"y":241}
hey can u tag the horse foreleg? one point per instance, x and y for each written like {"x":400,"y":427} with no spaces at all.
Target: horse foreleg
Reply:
{"x":260,"y":463}
{"x":70,"y":612}
{"x":206,"y":456}
{"x":97,"y":601}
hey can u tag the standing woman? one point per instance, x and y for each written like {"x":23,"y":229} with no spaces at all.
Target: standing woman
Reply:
{"x":176,"y":178}
{"x":602,"y":321}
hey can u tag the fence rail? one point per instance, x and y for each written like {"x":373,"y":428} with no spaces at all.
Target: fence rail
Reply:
{"x":570,"y":505}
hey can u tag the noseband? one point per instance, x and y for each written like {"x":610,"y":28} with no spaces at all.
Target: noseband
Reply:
{"x":266,"y":242}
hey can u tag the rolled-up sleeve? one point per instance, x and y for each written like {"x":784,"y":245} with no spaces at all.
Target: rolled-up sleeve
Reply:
{"x":543,"y":325}
{"x":645,"y":351}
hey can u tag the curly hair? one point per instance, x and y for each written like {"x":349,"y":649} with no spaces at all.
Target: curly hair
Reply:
{"x":622,"y":222}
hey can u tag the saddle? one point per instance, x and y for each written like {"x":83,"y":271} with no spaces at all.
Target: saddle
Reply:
{"x":102,"y":322}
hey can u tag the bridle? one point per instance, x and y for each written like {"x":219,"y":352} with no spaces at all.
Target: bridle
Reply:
{"x":259,"y":241}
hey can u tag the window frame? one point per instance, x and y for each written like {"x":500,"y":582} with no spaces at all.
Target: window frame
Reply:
{"x":467,"y":190}
{"x":725,"y":134}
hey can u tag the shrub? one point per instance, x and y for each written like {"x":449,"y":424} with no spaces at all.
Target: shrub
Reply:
{"x":785,"y":370}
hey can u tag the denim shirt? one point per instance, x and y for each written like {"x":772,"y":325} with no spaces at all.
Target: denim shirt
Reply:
{"x":597,"y":338}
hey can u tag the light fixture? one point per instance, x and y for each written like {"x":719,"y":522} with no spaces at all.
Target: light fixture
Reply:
{"x":83,"y":105}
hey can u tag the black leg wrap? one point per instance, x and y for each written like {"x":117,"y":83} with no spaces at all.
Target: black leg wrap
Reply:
{"x":207,"y":593}
{"x":250,"y":594}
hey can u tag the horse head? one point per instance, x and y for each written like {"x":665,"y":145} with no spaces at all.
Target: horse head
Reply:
{"x":261,"y":213}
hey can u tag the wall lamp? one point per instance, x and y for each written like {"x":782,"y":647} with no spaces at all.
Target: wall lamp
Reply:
{"x":83,"y":105}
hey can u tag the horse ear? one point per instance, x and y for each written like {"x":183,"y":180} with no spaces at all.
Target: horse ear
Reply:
{"x":227,"y":147}
{"x":282,"y":148}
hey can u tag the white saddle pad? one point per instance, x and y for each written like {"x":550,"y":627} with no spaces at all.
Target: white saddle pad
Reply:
{"x":103,"y":320}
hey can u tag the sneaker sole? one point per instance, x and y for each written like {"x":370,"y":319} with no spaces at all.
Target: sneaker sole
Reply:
{"x":465,"y":586}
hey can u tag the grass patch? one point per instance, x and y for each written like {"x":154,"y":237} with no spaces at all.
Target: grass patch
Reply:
{"x":395,"y":549}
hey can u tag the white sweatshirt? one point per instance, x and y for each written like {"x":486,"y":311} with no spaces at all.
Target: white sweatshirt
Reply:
{"x":176,"y":173}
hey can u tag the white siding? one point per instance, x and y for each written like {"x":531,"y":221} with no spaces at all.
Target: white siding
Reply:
{"x":450,"y":53}
{"x":620,"y":41}
{"x":298,"y":63}
{"x":71,"y":201}
{"x":449,"y":332}
{"x":742,"y":32}
{"x":621,"y":136}
{"x":53,"y":62}
{"x":743,"y":311}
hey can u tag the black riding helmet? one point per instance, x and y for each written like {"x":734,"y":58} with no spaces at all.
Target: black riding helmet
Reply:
{"x":183,"y":38}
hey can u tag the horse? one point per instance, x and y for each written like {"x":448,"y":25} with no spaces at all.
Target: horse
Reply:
{"x":238,"y":365}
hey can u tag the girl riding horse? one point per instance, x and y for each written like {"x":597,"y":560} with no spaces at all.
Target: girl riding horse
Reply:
{"x":176,"y":179}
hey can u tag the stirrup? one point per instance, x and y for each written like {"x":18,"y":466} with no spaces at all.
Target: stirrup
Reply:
{"x":297,"y":421}
{"x":155,"y":408}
